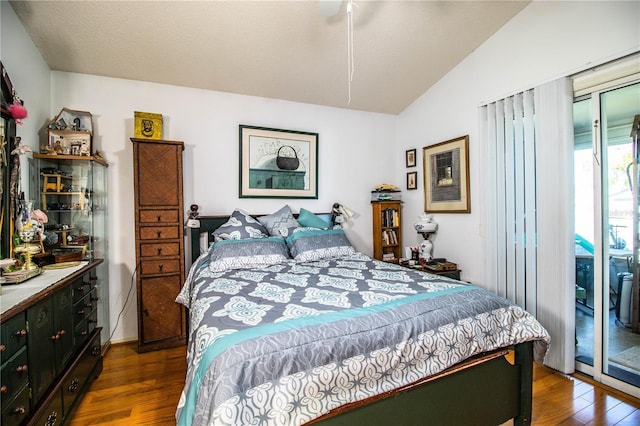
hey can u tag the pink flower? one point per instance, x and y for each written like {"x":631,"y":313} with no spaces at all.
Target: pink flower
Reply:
{"x":40,"y":216}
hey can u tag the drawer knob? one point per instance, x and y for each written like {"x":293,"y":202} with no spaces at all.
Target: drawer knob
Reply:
{"x":74,"y":385}
{"x":159,"y":218}
{"x":160,"y":267}
{"x":159,"y":234}
{"x":22,"y":369}
{"x":52,"y":419}
{"x":159,"y":251}
{"x":3,"y":389}
{"x":21,"y":333}
{"x":3,"y":348}
{"x":18,"y":411}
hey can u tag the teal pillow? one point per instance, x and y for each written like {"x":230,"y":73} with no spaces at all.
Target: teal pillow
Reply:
{"x":310,"y":220}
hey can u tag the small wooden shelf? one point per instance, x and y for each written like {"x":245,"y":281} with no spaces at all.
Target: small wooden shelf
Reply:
{"x":387,"y":230}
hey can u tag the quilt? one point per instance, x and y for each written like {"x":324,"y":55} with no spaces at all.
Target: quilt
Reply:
{"x":286,"y":342}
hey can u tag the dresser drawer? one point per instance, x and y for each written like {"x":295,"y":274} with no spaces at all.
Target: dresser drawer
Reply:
{"x":17,"y":409}
{"x":158,"y":216}
{"x":14,"y":375}
{"x":81,"y":374}
{"x":52,"y":414}
{"x":83,"y":307}
{"x":14,"y":336}
{"x":159,"y":232}
{"x":159,"y":249}
{"x":164,"y":266}
{"x":80,"y":288}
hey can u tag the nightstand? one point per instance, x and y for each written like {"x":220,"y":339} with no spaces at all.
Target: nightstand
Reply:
{"x":451,"y":273}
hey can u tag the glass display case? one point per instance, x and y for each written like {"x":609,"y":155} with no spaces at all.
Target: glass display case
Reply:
{"x":72,"y":191}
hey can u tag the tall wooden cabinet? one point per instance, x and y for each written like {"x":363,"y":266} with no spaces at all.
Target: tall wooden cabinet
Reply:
{"x":387,"y":231}
{"x":159,"y":243}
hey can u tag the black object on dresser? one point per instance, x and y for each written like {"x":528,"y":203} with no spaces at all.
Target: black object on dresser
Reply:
{"x":50,"y":349}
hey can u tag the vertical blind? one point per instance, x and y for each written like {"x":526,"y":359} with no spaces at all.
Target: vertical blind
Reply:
{"x":527,"y":141}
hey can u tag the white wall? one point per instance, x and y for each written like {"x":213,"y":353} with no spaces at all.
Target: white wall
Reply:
{"x":30,"y":76}
{"x":545,"y":41}
{"x":353,"y":157}
{"x":355,"y":147}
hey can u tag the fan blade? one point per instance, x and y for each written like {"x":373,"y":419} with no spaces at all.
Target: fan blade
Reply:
{"x":329,"y":7}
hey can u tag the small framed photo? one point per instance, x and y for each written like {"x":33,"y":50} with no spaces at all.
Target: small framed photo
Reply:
{"x":411,"y":157}
{"x":412,"y":180}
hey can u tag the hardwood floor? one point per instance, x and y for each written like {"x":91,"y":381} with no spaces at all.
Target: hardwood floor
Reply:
{"x":143,"y":389}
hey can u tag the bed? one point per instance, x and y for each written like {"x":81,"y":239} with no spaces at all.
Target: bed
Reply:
{"x":300,"y":328}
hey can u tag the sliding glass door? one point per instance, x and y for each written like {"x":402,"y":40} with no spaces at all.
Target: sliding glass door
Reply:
{"x":606,"y":213}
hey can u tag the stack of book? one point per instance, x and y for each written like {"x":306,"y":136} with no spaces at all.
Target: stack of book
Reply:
{"x":389,"y":237}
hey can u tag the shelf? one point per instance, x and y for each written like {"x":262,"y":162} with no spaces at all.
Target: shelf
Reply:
{"x":98,"y":160}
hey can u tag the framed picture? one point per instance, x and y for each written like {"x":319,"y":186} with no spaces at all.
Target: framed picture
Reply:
{"x":412,"y":180}
{"x":411,"y":157}
{"x":446,"y":176}
{"x":277,"y":163}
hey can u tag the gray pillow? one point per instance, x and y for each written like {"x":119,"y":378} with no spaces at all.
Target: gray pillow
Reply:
{"x":247,"y":253}
{"x":312,"y":244}
{"x":240,"y":226}
{"x":281,"y":223}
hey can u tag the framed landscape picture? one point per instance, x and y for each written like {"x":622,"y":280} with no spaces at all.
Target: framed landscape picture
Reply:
{"x":446,"y":176}
{"x":277,"y":163}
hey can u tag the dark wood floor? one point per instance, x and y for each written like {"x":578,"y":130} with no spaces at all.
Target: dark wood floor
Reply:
{"x":143,"y":389}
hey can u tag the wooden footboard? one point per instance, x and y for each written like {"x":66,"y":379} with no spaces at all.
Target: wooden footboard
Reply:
{"x":485,"y":390}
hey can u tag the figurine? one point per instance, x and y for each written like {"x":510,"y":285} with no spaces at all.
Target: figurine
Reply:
{"x":193,"y":211}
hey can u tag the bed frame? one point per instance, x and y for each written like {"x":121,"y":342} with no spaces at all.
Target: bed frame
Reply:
{"x":488,"y":389}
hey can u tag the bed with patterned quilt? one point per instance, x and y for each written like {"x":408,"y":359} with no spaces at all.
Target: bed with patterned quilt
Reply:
{"x":290,"y":325}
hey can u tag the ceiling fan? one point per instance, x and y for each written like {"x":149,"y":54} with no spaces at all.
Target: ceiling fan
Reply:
{"x":329,"y":8}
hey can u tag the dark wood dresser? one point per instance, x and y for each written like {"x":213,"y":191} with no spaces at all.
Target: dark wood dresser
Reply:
{"x":160,"y":269}
{"x":50,"y":348}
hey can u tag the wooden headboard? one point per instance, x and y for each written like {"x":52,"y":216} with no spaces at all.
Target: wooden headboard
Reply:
{"x":209,"y":224}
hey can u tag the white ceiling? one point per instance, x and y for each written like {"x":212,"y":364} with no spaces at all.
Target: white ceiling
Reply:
{"x":274,"y":49}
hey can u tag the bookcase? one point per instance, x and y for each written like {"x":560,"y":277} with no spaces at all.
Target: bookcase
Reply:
{"x":387,"y":232}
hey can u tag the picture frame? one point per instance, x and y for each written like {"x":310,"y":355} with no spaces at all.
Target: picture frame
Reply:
{"x":277,"y":163}
{"x":412,"y":180}
{"x":410,"y":157}
{"x":446,"y":176}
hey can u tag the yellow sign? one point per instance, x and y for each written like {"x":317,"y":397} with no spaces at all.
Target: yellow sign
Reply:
{"x":147,"y":125}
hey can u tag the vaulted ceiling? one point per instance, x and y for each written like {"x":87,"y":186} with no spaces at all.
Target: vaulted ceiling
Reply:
{"x":274,"y":49}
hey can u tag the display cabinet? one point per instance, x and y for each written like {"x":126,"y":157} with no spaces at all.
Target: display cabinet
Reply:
{"x":72,"y":191}
{"x":387,"y":232}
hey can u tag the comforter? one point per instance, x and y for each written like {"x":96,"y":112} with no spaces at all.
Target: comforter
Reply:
{"x":287,"y":342}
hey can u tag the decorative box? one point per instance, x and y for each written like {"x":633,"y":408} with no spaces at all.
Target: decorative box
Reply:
{"x":147,"y":125}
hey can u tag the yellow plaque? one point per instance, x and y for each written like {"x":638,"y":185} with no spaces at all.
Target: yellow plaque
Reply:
{"x":147,"y":125}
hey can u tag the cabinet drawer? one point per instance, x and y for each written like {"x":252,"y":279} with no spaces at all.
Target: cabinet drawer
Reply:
{"x":159,"y":249}
{"x":80,"y":288}
{"x":14,"y":375}
{"x":85,"y":306}
{"x":164,"y":266}
{"x":159,"y":232}
{"x":16,"y":410}
{"x":158,"y":216}
{"x":14,"y":336}
{"x":81,"y":373}
{"x":52,"y":414}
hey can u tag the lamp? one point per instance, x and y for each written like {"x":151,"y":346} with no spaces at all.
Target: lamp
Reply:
{"x":340,"y":214}
{"x":426,"y":227}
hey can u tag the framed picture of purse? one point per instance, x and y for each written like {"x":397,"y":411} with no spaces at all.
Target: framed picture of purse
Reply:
{"x":276,"y":163}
